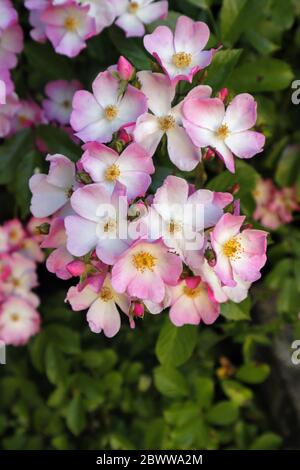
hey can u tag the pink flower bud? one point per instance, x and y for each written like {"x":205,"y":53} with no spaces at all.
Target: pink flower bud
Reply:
{"x":125,"y":69}
{"x":76,"y":268}
{"x":209,"y":155}
{"x":138,"y":310}
{"x":124,"y":136}
{"x":223,"y":94}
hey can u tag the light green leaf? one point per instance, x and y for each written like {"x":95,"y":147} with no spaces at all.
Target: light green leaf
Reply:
{"x":223,"y":413}
{"x":170,"y":382}
{"x":253,"y":373}
{"x":263,"y":74}
{"x":175,"y":345}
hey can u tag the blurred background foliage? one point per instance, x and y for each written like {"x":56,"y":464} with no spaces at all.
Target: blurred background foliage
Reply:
{"x":160,"y":387}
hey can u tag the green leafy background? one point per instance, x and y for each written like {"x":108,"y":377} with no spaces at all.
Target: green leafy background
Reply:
{"x":160,"y":387}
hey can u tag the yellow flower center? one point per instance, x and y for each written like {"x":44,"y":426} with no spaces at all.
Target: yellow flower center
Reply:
{"x":232,"y":249}
{"x":191,"y":292}
{"x":112,"y":173}
{"x":222,"y":132}
{"x":111,"y":112}
{"x":71,"y":23}
{"x":106,"y":294}
{"x":181,"y":60}
{"x":144,"y":260}
{"x":174,"y":227}
{"x":166,"y":123}
{"x":109,"y":226}
{"x":133,"y":7}
{"x":15,"y":317}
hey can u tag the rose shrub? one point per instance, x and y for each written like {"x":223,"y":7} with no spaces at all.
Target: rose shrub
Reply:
{"x":165,"y":119}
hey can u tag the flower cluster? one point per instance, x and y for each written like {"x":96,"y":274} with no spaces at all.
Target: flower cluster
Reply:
{"x":19,"y":255}
{"x":68,"y":24}
{"x":56,"y":108}
{"x":274,"y":207}
{"x":11,"y":44}
{"x":135,"y":249}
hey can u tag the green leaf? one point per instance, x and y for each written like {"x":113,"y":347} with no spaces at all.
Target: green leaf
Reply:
{"x":205,"y":4}
{"x":237,"y":16}
{"x":287,"y":167}
{"x":170,"y":382}
{"x":245,"y":176}
{"x":267,"y":441}
{"x":236,"y":312}
{"x":75,"y":417}
{"x":175,"y":345}
{"x":41,"y":58}
{"x":132,"y":49}
{"x":283,"y":14}
{"x":204,"y":391}
{"x":56,"y":368}
{"x":223,"y":413}
{"x":253,"y":373}
{"x":237,"y":392}
{"x":20,"y":185}
{"x":12,"y":152}
{"x":58,"y":141}
{"x":221,"y":67}
{"x":263,"y":74}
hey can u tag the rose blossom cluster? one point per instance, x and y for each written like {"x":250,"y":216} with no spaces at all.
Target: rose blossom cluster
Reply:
{"x":19,"y":254}
{"x":56,"y":108}
{"x":274,"y":207}
{"x":68,"y":24}
{"x":11,"y":44}
{"x":133,"y":249}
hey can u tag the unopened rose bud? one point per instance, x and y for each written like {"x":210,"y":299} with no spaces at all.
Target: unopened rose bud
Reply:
{"x":125,"y":69}
{"x":76,"y":268}
{"x":43,"y":229}
{"x":83,"y":177}
{"x":137,"y":310}
{"x":223,"y":94}
{"x":124,"y":136}
{"x":209,"y":155}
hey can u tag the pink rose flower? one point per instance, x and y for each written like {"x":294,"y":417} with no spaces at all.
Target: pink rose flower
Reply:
{"x":145,"y":269}
{"x":58,"y":105}
{"x":180,"y":54}
{"x":97,"y":116}
{"x":227,"y":132}
{"x":241,"y":253}
{"x":132,"y":168}
{"x":132,"y":15}
{"x":102,"y":305}
{"x":192,"y":301}
{"x":52,"y":192}
{"x":67,"y":27}
{"x":18,"y":321}
{"x":164,"y":119}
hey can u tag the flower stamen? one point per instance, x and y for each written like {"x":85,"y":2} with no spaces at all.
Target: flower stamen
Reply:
{"x":232,"y":249}
{"x":111,"y":112}
{"x":71,"y":23}
{"x":181,"y":60}
{"x":112,"y":173}
{"x":166,"y":123}
{"x":222,"y":132}
{"x":144,"y":261}
{"x":106,"y":294}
